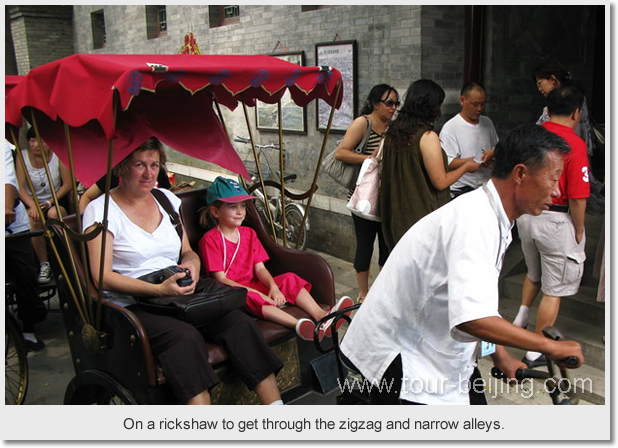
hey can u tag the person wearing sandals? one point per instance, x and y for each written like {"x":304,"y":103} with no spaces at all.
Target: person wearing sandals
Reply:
{"x":233,"y":255}
{"x":380,"y":107}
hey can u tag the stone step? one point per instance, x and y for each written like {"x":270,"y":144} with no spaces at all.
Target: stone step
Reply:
{"x":582,"y":306}
{"x":590,"y":336}
{"x":588,"y":381}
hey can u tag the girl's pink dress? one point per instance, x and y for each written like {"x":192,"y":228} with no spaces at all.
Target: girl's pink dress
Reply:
{"x":240,"y":267}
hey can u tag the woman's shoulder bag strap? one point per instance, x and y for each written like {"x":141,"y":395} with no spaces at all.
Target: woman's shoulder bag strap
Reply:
{"x":169,"y":209}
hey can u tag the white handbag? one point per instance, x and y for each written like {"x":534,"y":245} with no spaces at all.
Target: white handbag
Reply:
{"x":364,"y":202}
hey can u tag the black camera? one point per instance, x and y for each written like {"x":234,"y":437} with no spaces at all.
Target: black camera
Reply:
{"x":184,"y":281}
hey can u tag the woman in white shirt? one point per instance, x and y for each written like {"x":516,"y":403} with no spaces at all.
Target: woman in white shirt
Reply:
{"x":141,"y":239}
{"x":61,"y":177}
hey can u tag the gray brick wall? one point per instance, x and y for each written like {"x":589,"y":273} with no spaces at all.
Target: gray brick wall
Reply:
{"x":41,"y":34}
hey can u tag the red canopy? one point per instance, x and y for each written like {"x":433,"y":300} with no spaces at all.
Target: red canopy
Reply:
{"x":166,"y":96}
{"x":11,"y":82}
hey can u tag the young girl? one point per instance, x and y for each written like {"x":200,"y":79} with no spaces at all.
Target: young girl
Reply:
{"x":233,"y":255}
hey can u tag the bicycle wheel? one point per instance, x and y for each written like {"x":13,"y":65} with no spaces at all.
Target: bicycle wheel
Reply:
{"x":294,"y":219}
{"x":15,"y":364}
{"x":260,"y":205}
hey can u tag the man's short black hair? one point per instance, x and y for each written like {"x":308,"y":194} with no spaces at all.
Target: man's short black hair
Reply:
{"x":527,"y":144}
{"x":564,"y":100}
{"x":469,"y":87}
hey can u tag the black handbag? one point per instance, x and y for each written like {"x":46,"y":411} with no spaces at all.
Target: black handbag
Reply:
{"x":210,"y":301}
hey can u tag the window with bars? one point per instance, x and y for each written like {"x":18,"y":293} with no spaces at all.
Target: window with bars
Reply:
{"x":156,"y":21}
{"x":162,"y":19}
{"x":224,"y":15}
{"x":99,"y":37}
{"x":231,"y":11}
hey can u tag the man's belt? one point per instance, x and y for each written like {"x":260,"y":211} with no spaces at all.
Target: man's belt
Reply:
{"x":559,"y":208}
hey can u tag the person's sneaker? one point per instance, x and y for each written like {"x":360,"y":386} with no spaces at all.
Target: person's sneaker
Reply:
{"x":538,"y":362}
{"x":34,"y":346}
{"x":344,"y":302}
{"x":45,"y":273}
{"x":305,"y":329}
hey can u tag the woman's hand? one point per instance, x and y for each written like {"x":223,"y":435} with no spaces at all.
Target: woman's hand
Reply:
{"x":353,"y":136}
{"x":170,"y":286}
{"x":472,"y":166}
{"x":45,"y":205}
{"x":194,"y":271}
{"x":9,"y":216}
{"x":33,"y":213}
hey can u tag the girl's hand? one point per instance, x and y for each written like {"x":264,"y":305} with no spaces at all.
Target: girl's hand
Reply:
{"x":277,"y":297}
{"x":266,"y":298}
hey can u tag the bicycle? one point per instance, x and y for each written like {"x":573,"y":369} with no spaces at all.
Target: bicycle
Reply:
{"x":557,"y":386}
{"x":270,"y":204}
{"x":15,"y":348}
{"x":15,"y":356}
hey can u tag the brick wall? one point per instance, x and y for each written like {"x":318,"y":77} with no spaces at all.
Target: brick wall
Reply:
{"x":41,"y":34}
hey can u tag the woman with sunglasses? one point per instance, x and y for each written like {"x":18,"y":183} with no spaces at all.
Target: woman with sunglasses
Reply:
{"x":380,"y":107}
{"x":415,"y":175}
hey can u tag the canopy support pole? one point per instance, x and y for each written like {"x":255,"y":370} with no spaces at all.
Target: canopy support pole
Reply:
{"x":84,"y":297}
{"x":108,"y":181}
{"x":259,"y":169}
{"x":314,"y":183}
{"x":284,"y":236}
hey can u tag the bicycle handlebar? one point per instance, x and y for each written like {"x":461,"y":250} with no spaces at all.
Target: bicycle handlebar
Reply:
{"x":520,"y":374}
{"x":247,"y":141}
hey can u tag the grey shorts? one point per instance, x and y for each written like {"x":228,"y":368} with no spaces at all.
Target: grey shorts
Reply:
{"x":551,"y":253}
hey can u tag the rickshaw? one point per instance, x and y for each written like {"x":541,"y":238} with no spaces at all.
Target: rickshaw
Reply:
{"x":93,"y":110}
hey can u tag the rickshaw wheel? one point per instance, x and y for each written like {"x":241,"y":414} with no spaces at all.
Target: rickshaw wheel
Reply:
{"x":15,"y":364}
{"x":95,"y":387}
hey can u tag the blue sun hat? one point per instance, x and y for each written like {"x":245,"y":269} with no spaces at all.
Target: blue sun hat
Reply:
{"x":226,"y":190}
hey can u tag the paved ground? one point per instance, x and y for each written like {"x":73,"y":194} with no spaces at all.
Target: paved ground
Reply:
{"x":52,"y":369}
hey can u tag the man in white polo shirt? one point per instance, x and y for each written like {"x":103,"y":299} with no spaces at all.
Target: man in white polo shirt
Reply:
{"x":469,"y":135}
{"x":437,"y":295}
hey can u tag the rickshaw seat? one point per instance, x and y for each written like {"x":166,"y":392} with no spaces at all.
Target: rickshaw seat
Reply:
{"x":307,"y":265}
